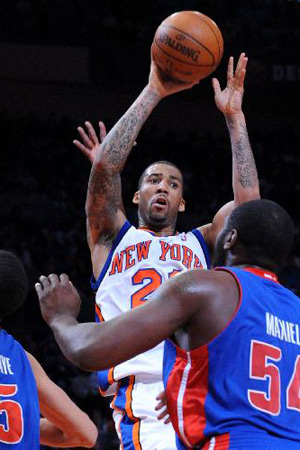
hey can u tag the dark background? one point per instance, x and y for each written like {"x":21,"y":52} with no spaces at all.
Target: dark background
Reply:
{"x":65,"y":62}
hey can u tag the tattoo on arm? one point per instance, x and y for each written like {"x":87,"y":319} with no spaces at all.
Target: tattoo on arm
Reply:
{"x":119,"y":141}
{"x":243,"y":156}
{"x":104,"y":188}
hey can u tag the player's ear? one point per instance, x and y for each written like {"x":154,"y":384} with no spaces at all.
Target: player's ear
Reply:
{"x":230,"y":239}
{"x":136,"y":198}
{"x":181,"y":205}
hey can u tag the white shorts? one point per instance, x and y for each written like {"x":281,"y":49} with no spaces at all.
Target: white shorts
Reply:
{"x":136,"y":419}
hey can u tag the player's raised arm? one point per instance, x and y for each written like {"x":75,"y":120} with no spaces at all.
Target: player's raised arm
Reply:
{"x":104,"y":209}
{"x":244,"y":174}
{"x":63,"y":424}
{"x":229,"y":102}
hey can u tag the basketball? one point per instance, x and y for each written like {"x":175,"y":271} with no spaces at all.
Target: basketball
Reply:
{"x":187,"y":46}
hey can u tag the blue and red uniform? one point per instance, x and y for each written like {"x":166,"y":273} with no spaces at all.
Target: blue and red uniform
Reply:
{"x":242,"y":389}
{"x":19,"y":407}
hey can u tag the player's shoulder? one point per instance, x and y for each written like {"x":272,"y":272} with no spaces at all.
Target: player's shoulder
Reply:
{"x":206,"y":280}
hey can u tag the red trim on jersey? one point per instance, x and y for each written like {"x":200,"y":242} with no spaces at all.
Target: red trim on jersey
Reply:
{"x":220,"y":442}
{"x":188,"y":411}
{"x":262,"y":273}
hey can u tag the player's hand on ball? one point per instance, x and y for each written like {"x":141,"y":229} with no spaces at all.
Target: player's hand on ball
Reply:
{"x":58,"y":297}
{"x":229,"y":101}
{"x":164,"y":85}
{"x":90,"y":143}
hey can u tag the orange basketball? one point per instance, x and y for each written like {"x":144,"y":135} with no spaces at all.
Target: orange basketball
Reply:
{"x":188,"y":46}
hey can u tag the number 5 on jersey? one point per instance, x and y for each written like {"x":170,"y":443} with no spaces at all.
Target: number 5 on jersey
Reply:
{"x":11,"y":416}
{"x":262,"y":367}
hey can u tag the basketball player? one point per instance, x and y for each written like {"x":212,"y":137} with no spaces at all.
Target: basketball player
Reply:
{"x":25,"y":389}
{"x":129,"y":263}
{"x":232,"y":366}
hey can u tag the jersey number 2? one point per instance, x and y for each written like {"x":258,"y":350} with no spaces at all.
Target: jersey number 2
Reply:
{"x":153,"y":280}
{"x":12,"y":432}
{"x":262,"y":368}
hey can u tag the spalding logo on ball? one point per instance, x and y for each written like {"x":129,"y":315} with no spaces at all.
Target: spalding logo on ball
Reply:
{"x":188,"y":46}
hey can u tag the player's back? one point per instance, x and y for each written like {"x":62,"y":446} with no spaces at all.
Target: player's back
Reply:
{"x":19,"y":408}
{"x":241,"y":390}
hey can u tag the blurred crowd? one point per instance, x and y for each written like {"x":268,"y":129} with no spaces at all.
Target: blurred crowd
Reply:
{"x":84,"y":22}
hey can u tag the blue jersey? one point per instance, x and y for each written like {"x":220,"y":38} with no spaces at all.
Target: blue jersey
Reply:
{"x":241,"y":390}
{"x":19,"y":407}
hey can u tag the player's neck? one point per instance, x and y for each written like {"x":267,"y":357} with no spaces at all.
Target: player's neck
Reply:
{"x":159,"y":231}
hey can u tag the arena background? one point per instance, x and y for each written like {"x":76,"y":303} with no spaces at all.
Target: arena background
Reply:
{"x":63,"y":62}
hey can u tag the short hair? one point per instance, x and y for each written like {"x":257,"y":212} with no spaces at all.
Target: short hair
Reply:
{"x":167,"y":163}
{"x":266,"y":231}
{"x":13,"y":284}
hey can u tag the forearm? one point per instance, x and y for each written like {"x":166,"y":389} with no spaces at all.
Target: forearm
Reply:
{"x":94,"y":346}
{"x":120,"y":140}
{"x":52,"y":436}
{"x":90,"y":346}
{"x":104,"y":188}
{"x":245,"y":177}
{"x":73,"y":338}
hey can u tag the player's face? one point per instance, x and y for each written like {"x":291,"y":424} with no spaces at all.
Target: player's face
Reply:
{"x":160,"y":195}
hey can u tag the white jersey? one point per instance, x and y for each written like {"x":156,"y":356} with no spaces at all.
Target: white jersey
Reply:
{"x":138,"y":263}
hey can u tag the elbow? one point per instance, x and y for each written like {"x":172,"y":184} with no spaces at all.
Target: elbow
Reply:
{"x":90,"y":438}
{"x":86,"y":438}
{"x":86,"y":359}
{"x":80,"y":359}
{"x":249,"y":194}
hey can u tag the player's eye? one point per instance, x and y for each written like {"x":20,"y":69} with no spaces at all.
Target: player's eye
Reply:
{"x":154,"y":180}
{"x":174,"y":185}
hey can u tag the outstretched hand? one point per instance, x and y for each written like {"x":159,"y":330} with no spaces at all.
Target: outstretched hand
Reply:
{"x":90,"y":143}
{"x":229,"y":101}
{"x":162,"y":405}
{"x":58,"y":297}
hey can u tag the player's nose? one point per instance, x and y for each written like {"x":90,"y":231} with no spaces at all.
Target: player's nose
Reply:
{"x":163,"y":187}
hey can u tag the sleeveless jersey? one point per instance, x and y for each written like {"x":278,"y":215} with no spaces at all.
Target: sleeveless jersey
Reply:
{"x":138,"y":263}
{"x":242,"y":389}
{"x":19,"y":407}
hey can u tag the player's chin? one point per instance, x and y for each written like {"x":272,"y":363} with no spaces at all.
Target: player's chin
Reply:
{"x":158,"y":218}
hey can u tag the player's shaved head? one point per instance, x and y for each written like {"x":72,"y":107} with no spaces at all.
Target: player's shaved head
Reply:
{"x":265,"y":231}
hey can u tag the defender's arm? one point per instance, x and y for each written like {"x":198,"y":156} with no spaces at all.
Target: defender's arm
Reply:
{"x":63,"y":424}
{"x":195,"y":298}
